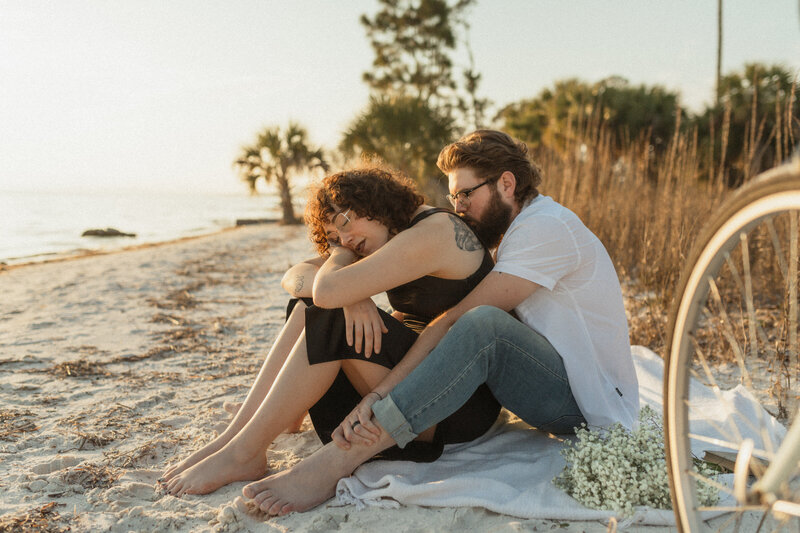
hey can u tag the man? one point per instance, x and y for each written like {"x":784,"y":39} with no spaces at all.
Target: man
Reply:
{"x":565,"y":360}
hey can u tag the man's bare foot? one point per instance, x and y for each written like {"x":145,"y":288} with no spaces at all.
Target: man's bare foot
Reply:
{"x":312,"y":481}
{"x":217,"y":470}
{"x":233,"y":408}
{"x":207,"y":450}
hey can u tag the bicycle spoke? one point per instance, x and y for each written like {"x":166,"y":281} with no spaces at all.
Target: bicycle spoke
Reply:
{"x":776,"y":245}
{"x":717,"y":392}
{"x":729,"y":334}
{"x":731,"y":509}
{"x":748,"y":287}
{"x":787,"y":507}
{"x":730,"y":519}
{"x":737,"y":279}
{"x":758,"y":452}
{"x":737,"y":436}
{"x":719,"y":486}
{"x":793,"y":283}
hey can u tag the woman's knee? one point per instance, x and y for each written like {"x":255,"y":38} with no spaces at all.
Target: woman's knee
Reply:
{"x":296,"y":309}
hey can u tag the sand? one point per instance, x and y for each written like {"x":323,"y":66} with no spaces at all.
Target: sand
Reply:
{"x":112,"y":366}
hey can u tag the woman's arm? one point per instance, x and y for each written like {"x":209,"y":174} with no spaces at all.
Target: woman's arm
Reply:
{"x":428,"y":248}
{"x":299,"y":279}
{"x":363,"y":324}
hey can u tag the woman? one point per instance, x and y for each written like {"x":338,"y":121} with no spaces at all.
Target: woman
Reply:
{"x":374,"y":234}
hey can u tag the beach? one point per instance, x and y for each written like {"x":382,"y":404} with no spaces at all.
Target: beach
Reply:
{"x":113,"y":366}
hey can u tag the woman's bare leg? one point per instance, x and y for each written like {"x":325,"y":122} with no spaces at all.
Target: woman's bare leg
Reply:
{"x":313,"y":480}
{"x":297,"y":387}
{"x":275,"y":359}
{"x":233,"y":408}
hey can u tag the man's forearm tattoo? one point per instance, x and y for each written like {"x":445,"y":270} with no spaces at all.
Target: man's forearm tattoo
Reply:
{"x":465,"y":239}
{"x":299,"y":281}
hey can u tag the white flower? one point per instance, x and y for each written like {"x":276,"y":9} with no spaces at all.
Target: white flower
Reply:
{"x":617,"y":470}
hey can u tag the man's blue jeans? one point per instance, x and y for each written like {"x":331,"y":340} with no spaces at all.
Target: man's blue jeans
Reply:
{"x":486,"y":345}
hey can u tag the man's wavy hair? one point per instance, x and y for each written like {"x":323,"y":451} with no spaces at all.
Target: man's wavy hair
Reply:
{"x":375,"y":193}
{"x":490,"y":153}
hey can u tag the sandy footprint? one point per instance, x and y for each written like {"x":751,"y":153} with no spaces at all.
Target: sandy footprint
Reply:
{"x":55,"y":464}
{"x":140,"y":476}
{"x":176,"y":421}
{"x":128,"y":493}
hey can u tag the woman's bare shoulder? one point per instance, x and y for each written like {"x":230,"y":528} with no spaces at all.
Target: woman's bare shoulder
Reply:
{"x":451,"y":229}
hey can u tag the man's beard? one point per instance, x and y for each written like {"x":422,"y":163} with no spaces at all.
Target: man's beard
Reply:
{"x":493,"y":223}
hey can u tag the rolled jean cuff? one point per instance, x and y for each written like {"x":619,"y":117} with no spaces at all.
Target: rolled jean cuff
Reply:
{"x":393,"y":421}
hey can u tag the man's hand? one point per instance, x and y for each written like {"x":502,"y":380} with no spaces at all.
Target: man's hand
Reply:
{"x":363,"y":323}
{"x":358,"y":427}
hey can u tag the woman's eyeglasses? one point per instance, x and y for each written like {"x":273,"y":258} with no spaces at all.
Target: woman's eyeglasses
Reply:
{"x":341,"y":221}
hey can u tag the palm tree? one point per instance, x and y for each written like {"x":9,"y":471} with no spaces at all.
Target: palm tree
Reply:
{"x":276,"y":155}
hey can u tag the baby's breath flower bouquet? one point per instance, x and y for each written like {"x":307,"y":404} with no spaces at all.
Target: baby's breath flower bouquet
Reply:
{"x":619,"y":470}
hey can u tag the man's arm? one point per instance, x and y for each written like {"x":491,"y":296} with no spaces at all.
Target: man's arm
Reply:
{"x":497,"y":289}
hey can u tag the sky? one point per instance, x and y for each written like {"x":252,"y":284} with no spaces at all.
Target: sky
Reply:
{"x":161,"y":95}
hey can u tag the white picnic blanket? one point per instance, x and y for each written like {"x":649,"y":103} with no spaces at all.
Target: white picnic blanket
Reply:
{"x":510,"y":469}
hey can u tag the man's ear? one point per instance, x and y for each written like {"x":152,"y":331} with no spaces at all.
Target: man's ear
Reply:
{"x":507,"y":184}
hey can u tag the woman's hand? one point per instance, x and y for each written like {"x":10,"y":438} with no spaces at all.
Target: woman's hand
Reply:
{"x":342,"y":255}
{"x":363,"y":322}
{"x":358,"y":427}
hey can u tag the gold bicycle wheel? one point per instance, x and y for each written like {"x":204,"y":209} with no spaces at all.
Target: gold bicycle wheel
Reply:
{"x":731,"y":385}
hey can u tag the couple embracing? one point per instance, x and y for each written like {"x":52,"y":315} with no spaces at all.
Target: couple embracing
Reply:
{"x":539,"y":328}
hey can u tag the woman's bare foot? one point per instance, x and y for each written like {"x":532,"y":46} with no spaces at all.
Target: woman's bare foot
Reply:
{"x":233,"y":408}
{"x":207,"y":450}
{"x":216,"y":470}
{"x":312,"y":481}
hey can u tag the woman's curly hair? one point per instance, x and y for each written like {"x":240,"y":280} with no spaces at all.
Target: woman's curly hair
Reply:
{"x":374,"y":193}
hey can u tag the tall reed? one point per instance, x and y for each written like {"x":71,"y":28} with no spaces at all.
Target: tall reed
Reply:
{"x":646,"y":207}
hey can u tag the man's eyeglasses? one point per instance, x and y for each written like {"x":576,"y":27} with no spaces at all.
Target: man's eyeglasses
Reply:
{"x":462,"y":196}
{"x":341,"y":221}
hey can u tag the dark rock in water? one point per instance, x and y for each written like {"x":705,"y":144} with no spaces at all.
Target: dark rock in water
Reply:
{"x":251,"y":221}
{"x":108,"y":232}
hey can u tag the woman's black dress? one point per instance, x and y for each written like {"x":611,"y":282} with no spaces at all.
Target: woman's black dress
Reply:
{"x":421,"y":301}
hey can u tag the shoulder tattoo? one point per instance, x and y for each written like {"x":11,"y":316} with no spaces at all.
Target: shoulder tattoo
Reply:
{"x":465,"y":239}
{"x":299,"y":281}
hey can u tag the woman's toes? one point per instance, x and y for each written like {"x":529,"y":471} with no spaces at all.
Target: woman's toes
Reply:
{"x":174,"y":486}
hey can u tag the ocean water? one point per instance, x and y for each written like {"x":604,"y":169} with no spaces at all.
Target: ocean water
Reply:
{"x":38,"y":226}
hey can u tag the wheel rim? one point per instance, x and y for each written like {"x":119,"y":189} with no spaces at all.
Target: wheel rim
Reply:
{"x":746,"y":333}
